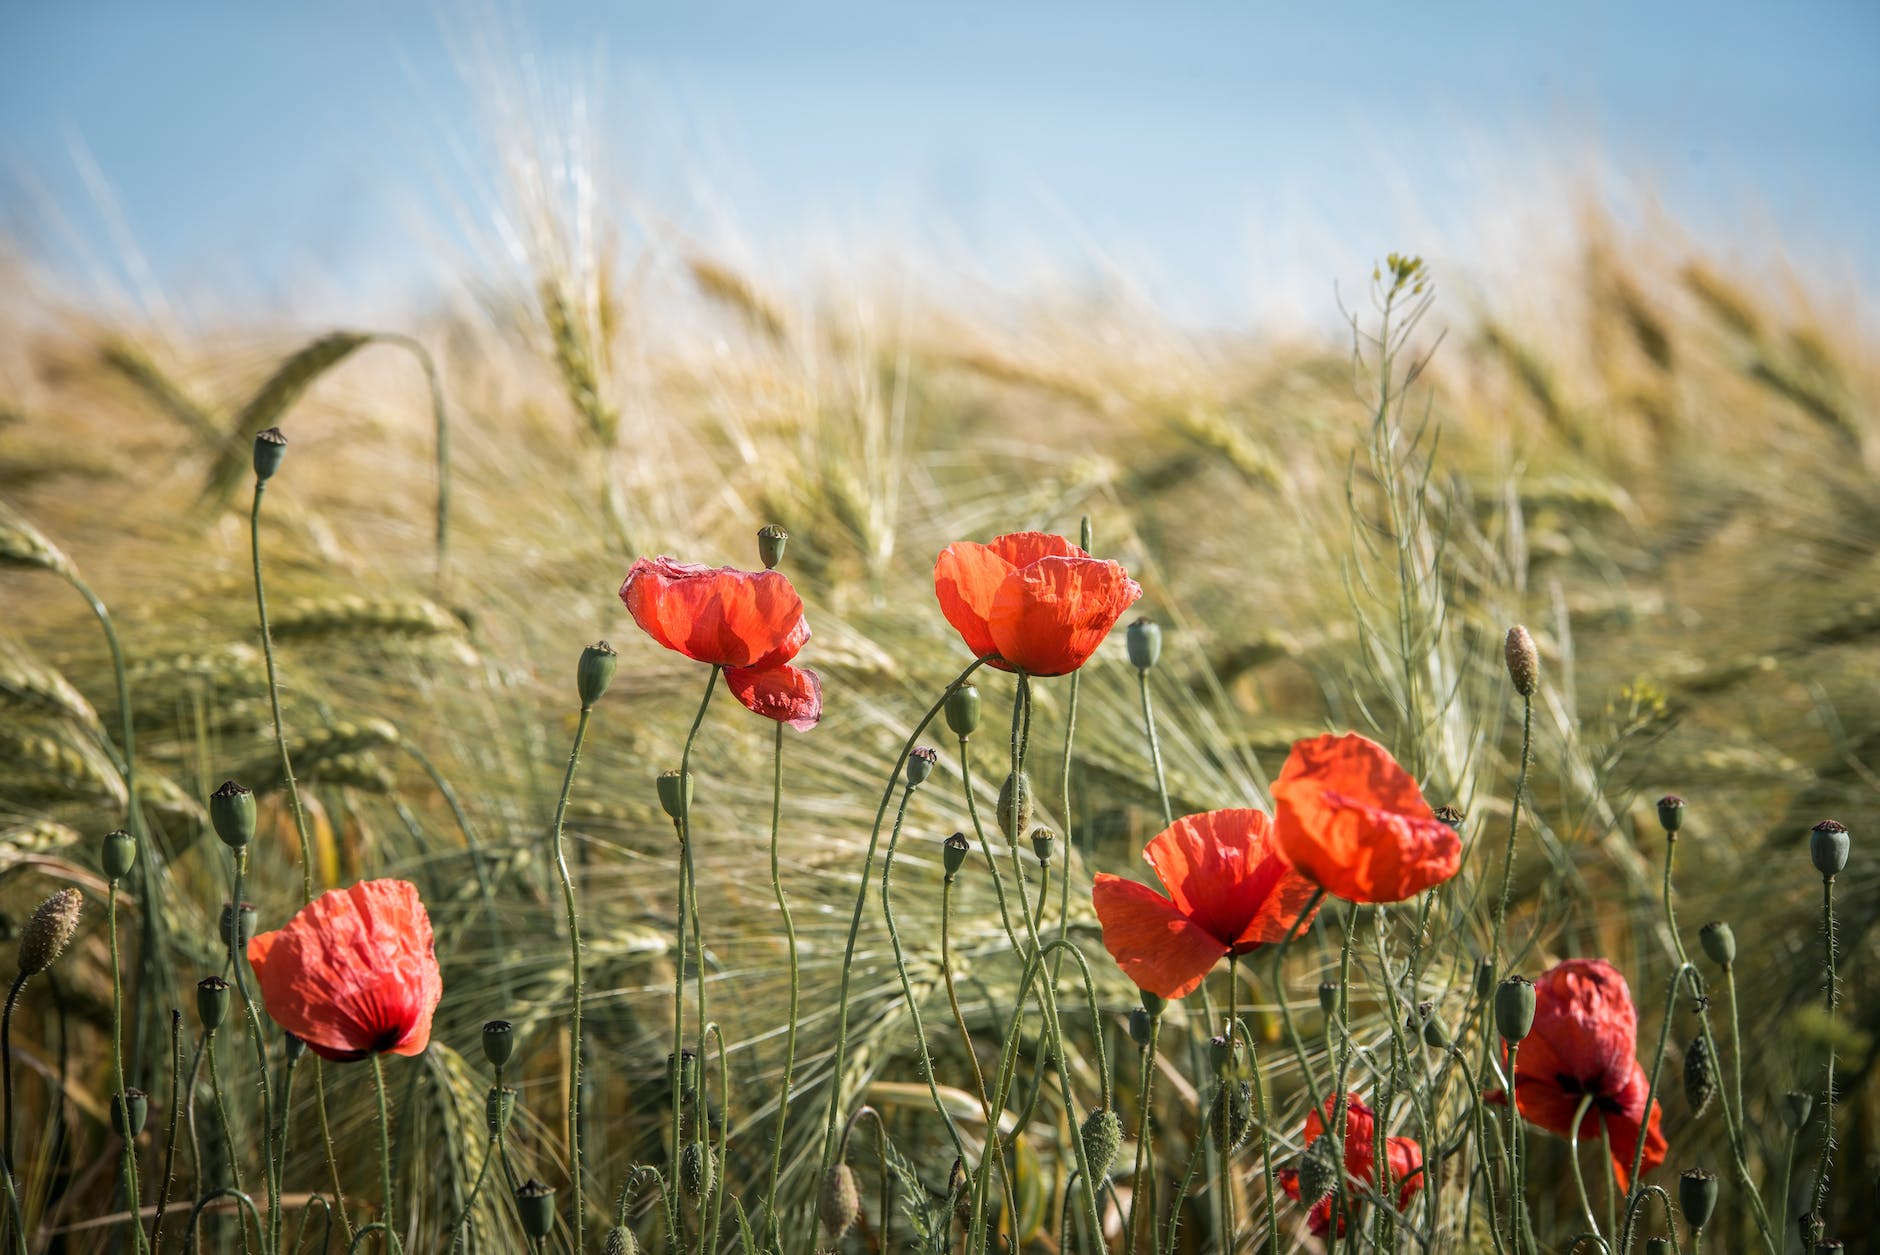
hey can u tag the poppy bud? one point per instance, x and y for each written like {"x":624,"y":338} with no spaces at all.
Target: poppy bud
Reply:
{"x":1697,"y":1196}
{"x":620,"y":1241}
{"x":695,"y":1170}
{"x":293,"y":1047}
{"x":1328,"y":998}
{"x":1221,"y":1052}
{"x":1524,"y":661}
{"x":1231,"y":1117}
{"x":211,"y":1002}
{"x":1432,"y":1028}
{"x":770,"y":542}
{"x":499,"y":1042}
{"x":675,"y":792}
{"x":1041,"y":842}
{"x":1144,"y":642}
{"x":1719,"y":942}
{"x":839,"y":1204}
{"x":1484,"y":977}
{"x":1700,"y":1078}
{"x":118,"y":855}
{"x":595,"y":671}
{"x":1828,"y":846}
{"x":1015,"y":806}
{"x":232,"y":812}
{"x":1514,"y":1008}
{"x":953,"y":854}
{"x":920,"y":765}
{"x":129,"y":1109}
{"x":535,"y":1208}
{"x":270,"y":448}
{"x":1318,"y":1171}
{"x":963,"y":710}
{"x":248,"y":918}
{"x":1102,"y":1134}
{"x":1141,"y":1027}
{"x":498,"y":1106}
{"x":46,"y":935}
{"x":1152,"y":1003}
{"x":688,"y":1072}
{"x":1451,"y":816}
{"x":1657,"y":1246}
{"x":1796,"y":1107}
{"x":1671,"y":813}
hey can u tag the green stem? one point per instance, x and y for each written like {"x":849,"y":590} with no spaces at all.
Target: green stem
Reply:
{"x":994,"y":1143}
{"x":228,"y":1130}
{"x":1573,"y":1158}
{"x":1224,"y":1161}
{"x":326,"y":1143}
{"x":169,"y":1139}
{"x":687,"y":894}
{"x":574,"y":957}
{"x":1825,"y":1159}
{"x":1514,"y":823}
{"x":1145,"y":1113}
{"x":1155,"y":747}
{"x":1517,"y":1160}
{"x":239,"y":962}
{"x":1181,"y":1194}
{"x":789,"y":932}
{"x":386,"y":1210}
{"x":274,"y":701}
{"x":129,"y":1156}
{"x":463,"y":1219}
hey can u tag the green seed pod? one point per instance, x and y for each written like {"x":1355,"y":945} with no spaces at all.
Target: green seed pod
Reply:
{"x":1015,"y":806}
{"x":953,"y":854}
{"x":129,"y":1110}
{"x":1042,"y":840}
{"x":1700,"y":1077}
{"x":1671,"y":813}
{"x":1328,"y":998}
{"x":595,"y":671}
{"x":620,"y":1241}
{"x":1102,"y":1134}
{"x":839,"y":1203}
{"x":688,"y":1073}
{"x":1657,"y":1246}
{"x":1828,"y":847}
{"x":499,"y":1105}
{"x":1485,"y":978}
{"x":499,"y":1042}
{"x":1141,"y":1027}
{"x":1318,"y":1171}
{"x":249,"y":918}
{"x":675,"y":792}
{"x":1719,"y":943}
{"x":695,"y":1170}
{"x":1524,"y":661}
{"x":211,"y":1002}
{"x":293,"y":1047}
{"x":1697,"y":1196}
{"x":535,"y":1207}
{"x":270,"y":448}
{"x":1827,"y":1246}
{"x":1221,"y":1052}
{"x":771,"y":540}
{"x":1144,"y":643}
{"x":118,"y":855}
{"x":232,"y":813}
{"x":1451,"y":816}
{"x":45,"y":936}
{"x":963,"y":710}
{"x":1425,"y":1021}
{"x":1152,"y":1003}
{"x":1796,"y":1106}
{"x":1237,"y":1099}
{"x":920,"y":765}
{"x":1514,"y":1008}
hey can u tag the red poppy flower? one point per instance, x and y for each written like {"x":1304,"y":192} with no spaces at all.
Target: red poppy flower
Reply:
{"x":1405,"y":1155}
{"x":1347,"y":816}
{"x":1585,"y":1041}
{"x":1229,"y":893}
{"x":354,"y":972}
{"x":791,"y":695}
{"x":1033,"y":601}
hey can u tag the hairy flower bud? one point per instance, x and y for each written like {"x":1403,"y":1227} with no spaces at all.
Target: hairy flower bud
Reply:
{"x":1015,"y":806}
{"x":1719,"y":942}
{"x":962,"y":707}
{"x":293,"y":1047}
{"x":920,"y":765}
{"x":1828,"y":847}
{"x":620,"y":1241}
{"x":117,"y":855}
{"x":1700,"y":1076}
{"x":953,"y":854}
{"x":695,"y":1170}
{"x":211,"y":1002}
{"x":839,"y":1203}
{"x":248,"y":917}
{"x":1524,"y":661}
{"x":1141,"y":1027}
{"x":45,"y":936}
{"x":499,"y":1042}
{"x":1318,"y":1170}
{"x":1230,"y":1118}
{"x":1697,"y":1196}
{"x":270,"y":448}
{"x":675,"y":792}
{"x":1143,"y":640}
{"x":1102,"y":1135}
{"x":1671,"y":813}
{"x":1514,"y":1008}
{"x":595,"y":671}
{"x":535,"y":1208}
{"x":232,"y":814}
{"x":771,"y":540}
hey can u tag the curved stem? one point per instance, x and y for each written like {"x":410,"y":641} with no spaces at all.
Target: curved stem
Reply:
{"x":574,"y":958}
{"x":789,"y":932}
{"x":994,"y":1143}
{"x":236,"y":1193}
{"x":228,"y":1130}
{"x":1181,"y":1193}
{"x":1573,"y":1158}
{"x":386,"y":1211}
{"x":1155,"y":747}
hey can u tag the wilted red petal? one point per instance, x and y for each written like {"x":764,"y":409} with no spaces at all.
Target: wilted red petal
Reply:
{"x":1157,"y":946}
{"x":791,"y":695}
{"x":1222,"y":871}
{"x":354,"y":972}
{"x":1049,"y":617}
{"x":1624,"y":1126}
{"x":720,"y":615}
{"x":1347,"y":816}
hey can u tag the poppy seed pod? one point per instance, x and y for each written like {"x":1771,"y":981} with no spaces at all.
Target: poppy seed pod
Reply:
{"x":129,"y":1109}
{"x":498,"y":1106}
{"x":1328,"y":998}
{"x":953,"y":854}
{"x":962,"y":709}
{"x":293,"y":1046}
{"x":270,"y":448}
{"x":920,"y":765}
{"x":1484,"y":978}
{"x":232,"y":813}
{"x":1015,"y":806}
{"x":45,"y":936}
{"x":1141,"y":1027}
{"x":1451,"y":816}
{"x":695,"y":1170}
{"x":1828,"y":847}
{"x":1671,"y":813}
{"x":1102,"y":1135}
{"x":1697,"y":1196}
{"x":1042,"y":840}
{"x":595,"y":671}
{"x":1657,"y":1246}
{"x":535,"y":1208}
{"x":1424,"y":1020}
{"x":1144,"y":643}
{"x":118,"y":855}
{"x":839,"y":1202}
{"x":620,"y":1241}
{"x":1152,"y":1002}
{"x":1514,"y":1008}
{"x":1827,"y":1246}
{"x":1796,"y":1106}
{"x":1700,"y":1078}
{"x":1719,"y":942}
{"x":1524,"y":661}
{"x":249,"y":916}
{"x":771,"y":540}
{"x":211,"y":1002}
{"x":1221,"y":1050}
{"x":499,"y":1042}
{"x":675,"y":792}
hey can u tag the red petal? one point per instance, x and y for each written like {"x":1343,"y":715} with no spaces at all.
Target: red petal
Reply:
{"x":1624,"y":1126}
{"x":1584,"y":1017}
{"x":721,"y":615}
{"x":1406,"y":1167}
{"x":1221,"y":870}
{"x":966,"y":577}
{"x":1347,"y":816}
{"x":1157,"y":946}
{"x":791,"y":695}
{"x":1049,"y":617}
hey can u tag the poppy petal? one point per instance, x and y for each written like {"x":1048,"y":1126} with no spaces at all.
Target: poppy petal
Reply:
{"x":1221,"y":870}
{"x":1583,"y":1015}
{"x":1626,"y":1124}
{"x":1050,"y":616}
{"x":1350,"y":818}
{"x":720,"y":615}
{"x":1024,"y":548}
{"x":790,"y":695}
{"x":966,"y":577}
{"x":1157,"y":946}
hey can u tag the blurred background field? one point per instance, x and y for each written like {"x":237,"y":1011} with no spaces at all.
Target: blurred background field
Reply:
{"x":1652,"y":443}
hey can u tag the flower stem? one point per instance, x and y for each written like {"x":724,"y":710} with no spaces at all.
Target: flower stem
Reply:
{"x":239,"y":962}
{"x":789,"y":932}
{"x":1517,"y":1165}
{"x":1573,"y":1158}
{"x":1825,"y":1159}
{"x":1155,"y":747}
{"x":385,"y":1155}
{"x":687,"y":895}
{"x":228,"y":1128}
{"x":574,"y":959}
{"x":131,"y":1192}
{"x":1145,"y":1115}
{"x":169,"y":1138}
{"x":1514,"y":824}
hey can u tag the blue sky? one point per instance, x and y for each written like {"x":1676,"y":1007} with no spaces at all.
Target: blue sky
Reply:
{"x":1228,"y":157}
